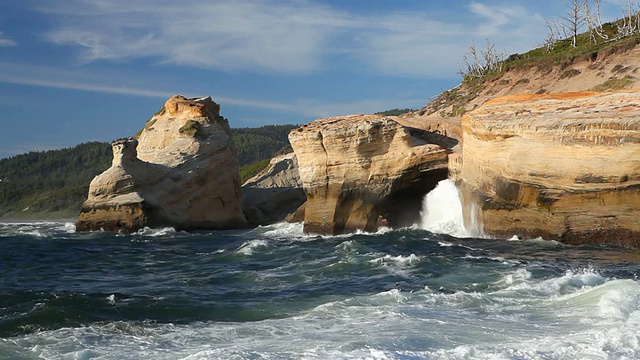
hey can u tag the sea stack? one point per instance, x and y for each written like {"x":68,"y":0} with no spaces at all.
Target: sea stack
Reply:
{"x":561,"y":167}
{"x":362,"y":170}
{"x":180,"y":171}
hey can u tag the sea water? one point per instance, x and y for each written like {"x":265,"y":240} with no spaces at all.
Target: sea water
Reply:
{"x":275,"y":293}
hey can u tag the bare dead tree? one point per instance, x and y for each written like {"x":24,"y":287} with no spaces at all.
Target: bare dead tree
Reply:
{"x":573,"y":20}
{"x":630,"y":23}
{"x":479,"y":63}
{"x":553,"y":36}
{"x":593,"y":22}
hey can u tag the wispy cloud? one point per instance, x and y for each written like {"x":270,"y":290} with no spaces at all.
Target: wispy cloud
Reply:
{"x":5,"y":41}
{"x":44,"y":76}
{"x":510,"y":25}
{"x":76,"y":84}
{"x":282,"y":36}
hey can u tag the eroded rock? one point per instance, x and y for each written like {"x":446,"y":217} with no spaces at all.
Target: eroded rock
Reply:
{"x":182,"y":172}
{"x":359,"y":169}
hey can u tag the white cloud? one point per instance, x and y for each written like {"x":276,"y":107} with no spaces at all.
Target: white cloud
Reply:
{"x":4,"y":41}
{"x":285,"y":36}
{"x":510,"y":26}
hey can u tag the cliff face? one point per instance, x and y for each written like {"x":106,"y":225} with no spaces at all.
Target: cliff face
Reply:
{"x":356,"y":169}
{"x":274,"y":193}
{"x":181,"y":172}
{"x":559,"y":166}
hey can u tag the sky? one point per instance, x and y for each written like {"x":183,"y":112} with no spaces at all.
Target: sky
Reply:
{"x":74,"y":71}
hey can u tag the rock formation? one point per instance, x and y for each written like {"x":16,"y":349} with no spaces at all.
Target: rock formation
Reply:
{"x":182,"y":172}
{"x":564,"y":167}
{"x":274,"y":193}
{"x":358,"y":169}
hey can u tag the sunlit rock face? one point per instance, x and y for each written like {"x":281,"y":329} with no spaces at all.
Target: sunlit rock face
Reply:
{"x":181,"y":171}
{"x":360,"y":171}
{"x":563,"y":167}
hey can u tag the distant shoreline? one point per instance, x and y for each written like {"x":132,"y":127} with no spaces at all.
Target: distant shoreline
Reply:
{"x":32,"y":218}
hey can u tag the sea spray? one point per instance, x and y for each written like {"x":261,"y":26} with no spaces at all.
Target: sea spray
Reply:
{"x":442,"y":211}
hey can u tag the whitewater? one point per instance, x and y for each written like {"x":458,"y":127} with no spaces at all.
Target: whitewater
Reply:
{"x":432,"y":291}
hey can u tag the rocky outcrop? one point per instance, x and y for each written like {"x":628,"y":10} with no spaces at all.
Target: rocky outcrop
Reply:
{"x":275,"y":193}
{"x":357,"y":170}
{"x":182,"y":172}
{"x":562,"y":167}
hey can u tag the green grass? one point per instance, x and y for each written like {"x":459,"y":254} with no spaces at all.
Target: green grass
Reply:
{"x":614,"y":83}
{"x":395,"y":112}
{"x":191,"y":128}
{"x":454,"y":102}
{"x":250,"y":170}
{"x":148,"y":125}
{"x":570,"y":73}
{"x":564,"y":54}
{"x":162,"y":110}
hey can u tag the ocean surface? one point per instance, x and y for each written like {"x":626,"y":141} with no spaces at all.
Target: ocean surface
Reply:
{"x":275,"y":293}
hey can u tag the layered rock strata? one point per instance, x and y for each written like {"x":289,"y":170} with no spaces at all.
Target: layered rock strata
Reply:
{"x":358,"y":170}
{"x":182,"y":172}
{"x":564,"y":167}
{"x":275,"y":193}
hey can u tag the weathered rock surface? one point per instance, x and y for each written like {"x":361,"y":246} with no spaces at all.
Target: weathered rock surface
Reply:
{"x":181,"y":172}
{"x":563,"y":167}
{"x":274,"y":193}
{"x":358,"y":169}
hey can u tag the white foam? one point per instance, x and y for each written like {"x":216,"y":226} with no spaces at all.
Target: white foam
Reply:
{"x":146,"y":231}
{"x":283,"y":229}
{"x":400,"y":260}
{"x":250,"y":246}
{"x":442,"y":211}
{"x":492,"y":258}
{"x":596,"y":322}
{"x":569,"y":283}
{"x":70,"y":227}
{"x":111,"y":299}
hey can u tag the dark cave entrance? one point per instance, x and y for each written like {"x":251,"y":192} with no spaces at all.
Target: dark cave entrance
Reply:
{"x":403,"y":207}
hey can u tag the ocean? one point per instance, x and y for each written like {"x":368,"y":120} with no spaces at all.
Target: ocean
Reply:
{"x":430,"y":291}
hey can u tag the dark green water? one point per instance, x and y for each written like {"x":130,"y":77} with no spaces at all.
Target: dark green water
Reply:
{"x":273,"y":293}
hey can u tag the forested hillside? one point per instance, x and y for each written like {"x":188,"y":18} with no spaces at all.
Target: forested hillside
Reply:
{"x":255,"y":144}
{"x":55,"y":183}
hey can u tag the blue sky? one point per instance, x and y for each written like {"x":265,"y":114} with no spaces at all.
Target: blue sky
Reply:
{"x":81,"y":70}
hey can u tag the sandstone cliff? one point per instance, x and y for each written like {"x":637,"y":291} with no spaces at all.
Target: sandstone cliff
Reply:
{"x":612,"y":67}
{"x":360,"y":168}
{"x":182,"y":172}
{"x":274,"y":193}
{"x":558,"y":166}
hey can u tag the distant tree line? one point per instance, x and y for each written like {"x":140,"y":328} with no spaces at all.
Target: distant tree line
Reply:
{"x":33,"y":180}
{"x":255,"y":144}
{"x":395,"y":112}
